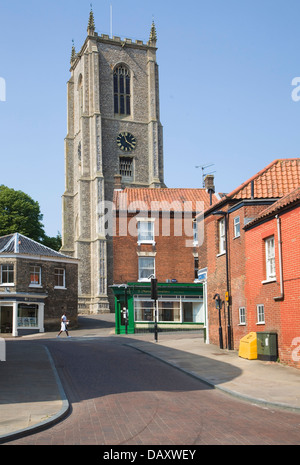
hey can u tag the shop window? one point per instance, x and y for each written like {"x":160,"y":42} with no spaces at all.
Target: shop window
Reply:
{"x":143,"y":310}
{"x":7,"y":274}
{"x":27,"y":315}
{"x":168,"y":311}
{"x":192,"y":312}
{"x":176,"y":311}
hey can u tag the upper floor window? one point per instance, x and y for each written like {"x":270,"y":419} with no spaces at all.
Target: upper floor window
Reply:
{"x":222,"y":239}
{"x":145,"y":231}
{"x":60,"y":277}
{"x":242,"y":315}
{"x":146,"y":268}
{"x":121,"y":91}
{"x":7,"y":274}
{"x":35,"y":276}
{"x":237,"y":226}
{"x":270,"y":258}
{"x":196,"y":267}
{"x":195,"y":232}
{"x":260,"y":313}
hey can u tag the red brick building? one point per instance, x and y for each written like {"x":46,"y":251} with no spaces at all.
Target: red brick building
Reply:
{"x":156,"y":236}
{"x":272,"y":287}
{"x":222,"y":256}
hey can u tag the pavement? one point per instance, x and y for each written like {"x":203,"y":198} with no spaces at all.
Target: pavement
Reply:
{"x":32,"y":397}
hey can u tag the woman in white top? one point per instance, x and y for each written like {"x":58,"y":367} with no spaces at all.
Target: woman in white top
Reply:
{"x":63,"y":326}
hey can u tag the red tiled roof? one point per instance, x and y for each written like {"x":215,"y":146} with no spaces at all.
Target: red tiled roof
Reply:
{"x":158,"y":198}
{"x":285,"y":201}
{"x":274,"y":181}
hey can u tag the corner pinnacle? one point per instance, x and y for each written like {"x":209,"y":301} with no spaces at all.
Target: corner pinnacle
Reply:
{"x":153,"y":35}
{"x":91,"y":24}
{"x":73,"y":53}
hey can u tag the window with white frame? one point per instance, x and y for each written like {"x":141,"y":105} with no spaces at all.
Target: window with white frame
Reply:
{"x":260,"y":313}
{"x":196,"y":267}
{"x":172,"y":309}
{"x":270,"y":258}
{"x":145,"y":231}
{"x":59,"y":277}
{"x":237,"y":227}
{"x":7,"y":274}
{"x":195,"y":232}
{"x":222,"y":238}
{"x":35,"y":276}
{"x":242,"y":315}
{"x":146,"y":268}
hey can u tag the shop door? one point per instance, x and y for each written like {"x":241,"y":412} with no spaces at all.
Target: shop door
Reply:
{"x":6,"y":313}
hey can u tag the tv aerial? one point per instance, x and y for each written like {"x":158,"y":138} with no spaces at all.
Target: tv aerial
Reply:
{"x":203,"y":167}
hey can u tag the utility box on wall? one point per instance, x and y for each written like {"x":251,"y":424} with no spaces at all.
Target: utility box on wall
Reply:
{"x":267,"y":348}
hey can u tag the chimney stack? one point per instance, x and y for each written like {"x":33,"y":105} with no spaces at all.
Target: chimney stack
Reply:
{"x":209,"y":185}
{"x":117,"y":185}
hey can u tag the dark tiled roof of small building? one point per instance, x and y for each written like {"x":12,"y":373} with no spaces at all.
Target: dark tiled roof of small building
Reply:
{"x":18,"y":244}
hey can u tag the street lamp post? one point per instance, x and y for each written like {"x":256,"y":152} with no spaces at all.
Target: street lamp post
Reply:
{"x":125,"y":308}
{"x":218,"y":306}
{"x":225,"y":215}
{"x":154,"y":297}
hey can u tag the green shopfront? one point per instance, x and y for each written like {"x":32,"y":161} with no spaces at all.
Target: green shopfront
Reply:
{"x":178,"y":307}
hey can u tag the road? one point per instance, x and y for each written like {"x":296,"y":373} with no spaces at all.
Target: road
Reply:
{"x":120,"y":396}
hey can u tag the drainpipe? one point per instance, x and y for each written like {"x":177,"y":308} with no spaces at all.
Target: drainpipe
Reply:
{"x":281,"y":296}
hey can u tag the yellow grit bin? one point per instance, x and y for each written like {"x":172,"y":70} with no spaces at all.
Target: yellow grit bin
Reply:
{"x":248,"y":346}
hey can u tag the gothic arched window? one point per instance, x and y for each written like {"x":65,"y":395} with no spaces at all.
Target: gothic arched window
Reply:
{"x":121,"y":91}
{"x":80,"y":95}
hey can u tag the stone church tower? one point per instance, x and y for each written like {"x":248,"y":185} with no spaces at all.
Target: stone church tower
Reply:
{"x":113,"y":131}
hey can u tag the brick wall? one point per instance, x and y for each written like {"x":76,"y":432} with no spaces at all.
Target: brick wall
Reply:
{"x":173,"y":259}
{"x":281,"y":316}
{"x":215,"y":263}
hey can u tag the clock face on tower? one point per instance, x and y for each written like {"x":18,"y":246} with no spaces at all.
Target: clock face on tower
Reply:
{"x":126,"y":141}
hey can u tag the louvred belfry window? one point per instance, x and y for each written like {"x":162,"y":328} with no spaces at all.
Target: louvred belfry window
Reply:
{"x":121,"y":91}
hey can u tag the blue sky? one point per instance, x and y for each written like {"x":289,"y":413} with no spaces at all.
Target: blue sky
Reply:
{"x":225,"y":68}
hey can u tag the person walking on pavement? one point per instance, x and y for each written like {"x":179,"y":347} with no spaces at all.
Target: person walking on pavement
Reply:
{"x":63,"y":325}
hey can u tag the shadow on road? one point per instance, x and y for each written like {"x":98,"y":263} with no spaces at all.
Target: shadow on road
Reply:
{"x":92,"y":367}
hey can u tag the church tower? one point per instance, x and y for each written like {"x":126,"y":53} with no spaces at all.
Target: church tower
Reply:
{"x":113,"y":131}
